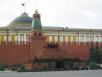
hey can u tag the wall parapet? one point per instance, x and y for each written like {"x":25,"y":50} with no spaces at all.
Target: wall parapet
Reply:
{"x":15,"y":43}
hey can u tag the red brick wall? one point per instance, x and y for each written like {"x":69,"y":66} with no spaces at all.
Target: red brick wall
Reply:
{"x":80,"y":51}
{"x":19,"y":54}
{"x":14,"y":54}
{"x":77,"y":51}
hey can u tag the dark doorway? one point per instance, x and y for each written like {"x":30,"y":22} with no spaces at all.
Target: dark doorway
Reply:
{"x":59,"y":64}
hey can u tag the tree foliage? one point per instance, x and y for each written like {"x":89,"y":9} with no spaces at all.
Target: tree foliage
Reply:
{"x":94,"y":56}
{"x":2,"y":67}
{"x":91,"y":54}
{"x":95,"y":53}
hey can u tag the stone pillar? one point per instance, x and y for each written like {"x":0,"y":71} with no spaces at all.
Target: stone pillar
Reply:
{"x":9,"y":37}
{"x":79,"y":39}
{"x":25,"y":39}
{"x":99,"y":39}
{"x":18,"y":38}
{"x":84,"y":39}
{"x":5,"y":38}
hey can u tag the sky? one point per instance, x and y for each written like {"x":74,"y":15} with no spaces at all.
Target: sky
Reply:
{"x":60,"y":13}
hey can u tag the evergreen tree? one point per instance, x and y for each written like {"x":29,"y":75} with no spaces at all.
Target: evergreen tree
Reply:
{"x":2,"y":67}
{"x":97,"y":53}
{"x":100,"y":60}
{"x":91,"y":54}
{"x":94,"y":56}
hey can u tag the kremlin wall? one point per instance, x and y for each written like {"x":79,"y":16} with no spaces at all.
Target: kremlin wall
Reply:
{"x":44,"y":47}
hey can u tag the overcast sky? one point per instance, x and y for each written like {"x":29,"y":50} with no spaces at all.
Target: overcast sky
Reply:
{"x":62,"y":13}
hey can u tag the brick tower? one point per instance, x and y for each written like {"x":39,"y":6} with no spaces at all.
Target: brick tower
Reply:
{"x":37,"y":39}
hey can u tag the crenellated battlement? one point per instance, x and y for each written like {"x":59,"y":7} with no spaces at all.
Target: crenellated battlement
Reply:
{"x":5,"y":43}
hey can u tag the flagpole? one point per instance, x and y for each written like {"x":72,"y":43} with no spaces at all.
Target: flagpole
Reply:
{"x":23,"y":4}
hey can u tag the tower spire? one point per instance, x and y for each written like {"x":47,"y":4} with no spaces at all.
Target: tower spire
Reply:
{"x":36,"y":21}
{"x":36,"y":12}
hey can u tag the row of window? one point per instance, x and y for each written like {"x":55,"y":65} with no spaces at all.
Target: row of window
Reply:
{"x":74,"y":38}
{"x":21,"y":37}
{"x":81,"y":38}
